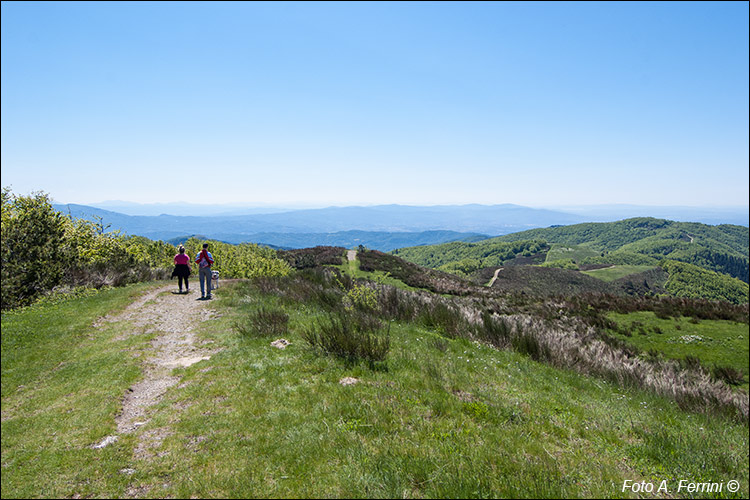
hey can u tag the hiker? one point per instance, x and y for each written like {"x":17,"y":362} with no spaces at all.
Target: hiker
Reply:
{"x":205,"y":260}
{"x":182,"y":268}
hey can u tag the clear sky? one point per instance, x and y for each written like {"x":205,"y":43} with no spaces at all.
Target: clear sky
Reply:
{"x":538,"y":104}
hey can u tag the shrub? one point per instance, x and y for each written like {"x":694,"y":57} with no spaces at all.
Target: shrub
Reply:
{"x":361,"y":297}
{"x":396,"y":304}
{"x":496,"y":331}
{"x":447,"y":318}
{"x":32,"y":238}
{"x":527,"y":343}
{"x":729,"y":375}
{"x":691,"y":362}
{"x":264,"y":322}
{"x":350,"y":335}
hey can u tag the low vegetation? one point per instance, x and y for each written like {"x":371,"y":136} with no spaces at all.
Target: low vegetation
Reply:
{"x":465,"y":402}
{"x":614,"y":272}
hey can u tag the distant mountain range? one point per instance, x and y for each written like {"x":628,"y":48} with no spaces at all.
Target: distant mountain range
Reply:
{"x":383,"y":227}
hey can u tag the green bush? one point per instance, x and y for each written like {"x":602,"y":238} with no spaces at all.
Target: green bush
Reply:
{"x":44,"y":250}
{"x":350,"y":335}
{"x":264,"y":322}
{"x":32,"y":238}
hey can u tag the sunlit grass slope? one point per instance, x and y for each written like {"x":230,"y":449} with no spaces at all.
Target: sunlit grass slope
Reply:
{"x":438,"y":418}
{"x":712,"y":343}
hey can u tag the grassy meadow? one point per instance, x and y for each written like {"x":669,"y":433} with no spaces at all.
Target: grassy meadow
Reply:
{"x":711,"y":342}
{"x":576,"y":253}
{"x":439,"y":417}
{"x":616,"y":272}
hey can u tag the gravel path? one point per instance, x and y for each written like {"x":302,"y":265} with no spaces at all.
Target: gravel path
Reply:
{"x":173,"y":318}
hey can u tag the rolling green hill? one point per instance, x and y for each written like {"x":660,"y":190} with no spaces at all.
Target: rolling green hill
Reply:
{"x":632,"y":246}
{"x":721,"y":248}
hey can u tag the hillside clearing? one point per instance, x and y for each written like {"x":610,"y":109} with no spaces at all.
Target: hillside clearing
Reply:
{"x":613,"y":272}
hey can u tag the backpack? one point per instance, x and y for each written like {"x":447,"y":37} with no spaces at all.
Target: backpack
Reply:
{"x":204,"y":260}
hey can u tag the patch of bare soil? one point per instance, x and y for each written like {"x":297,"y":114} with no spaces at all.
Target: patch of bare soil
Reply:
{"x":172,"y":318}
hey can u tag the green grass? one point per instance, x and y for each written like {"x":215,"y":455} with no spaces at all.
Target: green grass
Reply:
{"x":616,"y":272}
{"x":722,"y":343}
{"x":439,"y":418}
{"x":62,"y":380}
{"x":577,"y":253}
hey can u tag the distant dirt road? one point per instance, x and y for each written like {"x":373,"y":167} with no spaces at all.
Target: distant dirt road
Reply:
{"x":494,"y":276}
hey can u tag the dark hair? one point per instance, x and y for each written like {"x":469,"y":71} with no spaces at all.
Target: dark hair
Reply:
{"x":205,"y":245}
{"x":182,"y":249}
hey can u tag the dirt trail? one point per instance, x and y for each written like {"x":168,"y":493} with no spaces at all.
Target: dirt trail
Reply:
{"x":173,"y":318}
{"x":494,"y":277}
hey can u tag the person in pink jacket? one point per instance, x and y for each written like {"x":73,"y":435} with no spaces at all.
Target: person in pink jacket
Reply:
{"x":182,"y":268}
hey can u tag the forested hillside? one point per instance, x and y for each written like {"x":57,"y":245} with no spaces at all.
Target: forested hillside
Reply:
{"x":714,"y":258}
{"x":721,"y":248}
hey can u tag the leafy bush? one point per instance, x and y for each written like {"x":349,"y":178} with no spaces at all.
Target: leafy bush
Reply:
{"x":246,"y":260}
{"x":44,"y":250}
{"x":361,"y":297}
{"x":32,"y":237}
{"x":306,"y":258}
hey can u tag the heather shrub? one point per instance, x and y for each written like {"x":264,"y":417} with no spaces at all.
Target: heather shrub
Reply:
{"x":264,"y":322}
{"x":350,"y":335}
{"x":444,"y":317}
{"x":729,"y":375}
{"x":496,"y":331}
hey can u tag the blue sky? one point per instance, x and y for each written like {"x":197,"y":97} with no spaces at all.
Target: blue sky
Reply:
{"x":539,"y":104}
